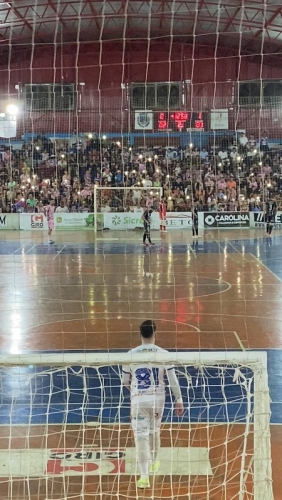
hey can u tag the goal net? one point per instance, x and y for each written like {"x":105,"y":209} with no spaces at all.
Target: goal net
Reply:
{"x":121,"y":208}
{"x":153,"y":85}
{"x":74,"y":440}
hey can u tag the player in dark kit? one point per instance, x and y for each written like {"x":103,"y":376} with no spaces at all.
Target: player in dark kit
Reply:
{"x":270,"y":212}
{"x":147,"y":227}
{"x":195,"y":220}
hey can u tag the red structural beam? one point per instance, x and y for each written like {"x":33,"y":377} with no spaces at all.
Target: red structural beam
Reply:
{"x":50,"y":4}
{"x":95,"y":14}
{"x":231,"y":20}
{"x":267,"y":24}
{"x":18,"y":14}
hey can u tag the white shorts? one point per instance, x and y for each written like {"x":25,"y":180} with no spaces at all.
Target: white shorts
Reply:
{"x":146,"y":415}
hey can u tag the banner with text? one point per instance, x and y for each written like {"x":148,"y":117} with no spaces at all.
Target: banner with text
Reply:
{"x":37,"y":463}
{"x":128,"y":220}
{"x":178,"y":220}
{"x":33,"y":221}
{"x":73,"y":221}
{"x":226,"y":220}
{"x":257,"y":219}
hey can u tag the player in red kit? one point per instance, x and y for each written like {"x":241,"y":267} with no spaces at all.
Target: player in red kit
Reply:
{"x":162,"y":214}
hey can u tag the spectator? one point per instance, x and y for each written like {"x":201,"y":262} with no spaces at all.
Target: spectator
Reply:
{"x":23,"y":172}
{"x":62,"y":208}
{"x":264,"y":143}
{"x":31,"y":202}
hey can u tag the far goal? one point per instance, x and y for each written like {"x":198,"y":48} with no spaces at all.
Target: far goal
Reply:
{"x":65,"y":428}
{"x":121,"y":208}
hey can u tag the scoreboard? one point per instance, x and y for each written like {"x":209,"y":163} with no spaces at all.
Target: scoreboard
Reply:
{"x":180,"y":120}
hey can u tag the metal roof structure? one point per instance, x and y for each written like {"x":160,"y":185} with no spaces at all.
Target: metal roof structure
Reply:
{"x":246,"y":25}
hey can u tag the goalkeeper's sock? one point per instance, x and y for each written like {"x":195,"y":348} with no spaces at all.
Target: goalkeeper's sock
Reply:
{"x":155,"y":444}
{"x":143,"y":455}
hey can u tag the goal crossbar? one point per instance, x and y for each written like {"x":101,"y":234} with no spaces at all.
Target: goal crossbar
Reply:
{"x":246,"y":358}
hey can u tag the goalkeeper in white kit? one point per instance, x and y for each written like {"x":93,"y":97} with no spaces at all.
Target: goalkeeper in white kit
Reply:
{"x":146,"y":384}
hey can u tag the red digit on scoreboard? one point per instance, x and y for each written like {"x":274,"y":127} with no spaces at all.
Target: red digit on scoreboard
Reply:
{"x":162,"y":124}
{"x":199,"y":124}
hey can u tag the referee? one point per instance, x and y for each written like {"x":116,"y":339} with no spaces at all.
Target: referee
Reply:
{"x":147,"y":227}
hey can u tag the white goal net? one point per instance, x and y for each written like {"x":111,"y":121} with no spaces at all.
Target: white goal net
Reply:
{"x":75,"y":439}
{"x":105,"y":83}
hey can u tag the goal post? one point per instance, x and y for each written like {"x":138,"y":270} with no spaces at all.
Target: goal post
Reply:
{"x":130,"y":200}
{"x":221,"y":443}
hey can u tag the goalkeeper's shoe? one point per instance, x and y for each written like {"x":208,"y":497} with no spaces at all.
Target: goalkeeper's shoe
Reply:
{"x":155,"y":467}
{"x":143,"y":483}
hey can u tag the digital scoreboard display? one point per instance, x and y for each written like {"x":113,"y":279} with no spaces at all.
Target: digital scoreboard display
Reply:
{"x":180,"y":120}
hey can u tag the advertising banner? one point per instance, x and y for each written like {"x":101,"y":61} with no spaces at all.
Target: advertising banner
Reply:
{"x":3,"y":221}
{"x":128,"y":220}
{"x":93,"y":461}
{"x":82,"y":221}
{"x":33,"y":221}
{"x":62,"y":221}
{"x":178,"y":220}
{"x":257,"y":219}
{"x":226,"y":220}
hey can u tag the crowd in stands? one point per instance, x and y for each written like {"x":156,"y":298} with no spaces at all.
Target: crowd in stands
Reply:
{"x":230,"y":174}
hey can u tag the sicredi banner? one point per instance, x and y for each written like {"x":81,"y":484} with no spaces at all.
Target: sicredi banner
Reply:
{"x":227,"y":220}
{"x":128,"y":220}
{"x":33,"y":221}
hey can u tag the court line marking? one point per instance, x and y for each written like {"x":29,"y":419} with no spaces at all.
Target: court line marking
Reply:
{"x":58,"y":253}
{"x":236,"y":250}
{"x":239,"y":341}
{"x":193,"y":251}
{"x":30,"y":249}
{"x":161,"y":300}
{"x":13,"y":253}
{"x":133,"y":284}
{"x":267,"y":268}
{"x":80,"y":319}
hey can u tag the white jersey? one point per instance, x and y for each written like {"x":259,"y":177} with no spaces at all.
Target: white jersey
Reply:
{"x":146,"y":381}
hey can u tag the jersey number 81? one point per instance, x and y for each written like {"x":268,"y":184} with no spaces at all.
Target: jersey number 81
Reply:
{"x":145,"y":376}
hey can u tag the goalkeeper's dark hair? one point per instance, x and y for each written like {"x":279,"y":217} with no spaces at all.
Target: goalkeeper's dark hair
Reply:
{"x":147,"y":329}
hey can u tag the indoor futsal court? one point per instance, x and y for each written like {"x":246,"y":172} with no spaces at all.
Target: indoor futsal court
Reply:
{"x":91,"y":296}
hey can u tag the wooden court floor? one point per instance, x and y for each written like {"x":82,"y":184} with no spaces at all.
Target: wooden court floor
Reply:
{"x":84,"y":301}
